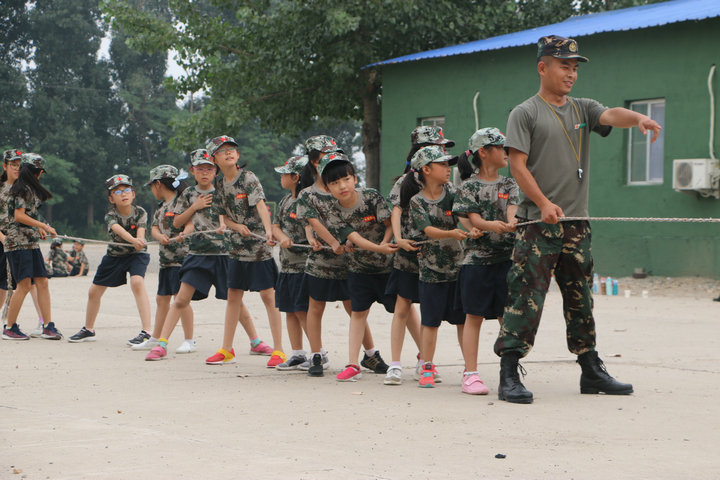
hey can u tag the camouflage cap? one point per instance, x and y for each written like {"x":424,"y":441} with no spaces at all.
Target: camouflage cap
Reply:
{"x":10,"y":155}
{"x":213,"y":145}
{"x":330,"y":158}
{"x":33,"y":159}
{"x":116,"y":180}
{"x":430,"y":134}
{"x":77,"y":240}
{"x":486,"y":137}
{"x":559,"y":47}
{"x":431,"y":154}
{"x":200,"y":156}
{"x":293,"y":165}
{"x":322,"y":143}
{"x":56,"y":241}
{"x":162,"y":171}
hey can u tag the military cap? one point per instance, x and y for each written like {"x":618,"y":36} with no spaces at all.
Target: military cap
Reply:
{"x":33,"y":159}
{"x":430,"y":134}
{"x":200,"y":156}
{"x":293,"y":165}
{"x":431,"y":154}
{"x":486,"y":137}
{"x":559,"y":47}
{"x":322,"y":143}
{"x":116,"y":180}
{"x":330,"y":158}
{"x":10,"y":155}
{"x":213,"y":145}
{"x":162,"y":171}
{"x":56,"y":241}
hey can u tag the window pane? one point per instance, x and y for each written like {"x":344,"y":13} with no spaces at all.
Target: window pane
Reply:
{"x":657,"y":150}
{"x":638,"y":149}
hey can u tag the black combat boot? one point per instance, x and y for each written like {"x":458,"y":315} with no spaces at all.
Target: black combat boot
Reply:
{"x":511,"y":388}
{"x":596,"y":379}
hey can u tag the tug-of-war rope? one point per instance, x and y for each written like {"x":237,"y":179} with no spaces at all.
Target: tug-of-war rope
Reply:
{"x":521,"y":224}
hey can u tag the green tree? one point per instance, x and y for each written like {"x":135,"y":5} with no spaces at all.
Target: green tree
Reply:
{"x":14,"y":47}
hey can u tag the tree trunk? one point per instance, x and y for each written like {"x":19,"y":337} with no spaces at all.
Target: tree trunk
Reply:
{"x":371,"y":132}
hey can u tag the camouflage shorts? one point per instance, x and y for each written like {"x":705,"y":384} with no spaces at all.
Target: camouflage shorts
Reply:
{"x":540,"y":250}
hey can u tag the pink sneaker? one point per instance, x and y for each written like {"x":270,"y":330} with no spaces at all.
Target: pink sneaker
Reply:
{"x":350,"y":374}
{"x":473,"y":385}
{"x":222,"y":357}
{"x":277,"y":358}
{"x":261,"y":348}
{"x":157,"y":353}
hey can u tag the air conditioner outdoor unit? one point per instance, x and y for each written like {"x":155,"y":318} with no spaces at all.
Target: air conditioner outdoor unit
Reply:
{"x":700,"y":174}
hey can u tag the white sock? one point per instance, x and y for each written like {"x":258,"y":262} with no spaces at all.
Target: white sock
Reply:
{"x":371,"y":351}
{"x":190,"y":341}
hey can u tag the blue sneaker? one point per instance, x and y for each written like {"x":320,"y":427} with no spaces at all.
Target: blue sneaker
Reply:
{"x":13,"y":333}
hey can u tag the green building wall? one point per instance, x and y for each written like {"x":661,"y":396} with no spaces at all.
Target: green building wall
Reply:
{"x":670,"y":62}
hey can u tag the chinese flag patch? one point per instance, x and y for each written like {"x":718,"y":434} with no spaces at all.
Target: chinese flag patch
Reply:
{"x":240,"y":196}
{"x":133,"y":227}
{"x":293,"y":215}
{"x":504,"y":196}
{"x":448,"y":213}
{"x":169,"y":214}
{"x":369,"y":218}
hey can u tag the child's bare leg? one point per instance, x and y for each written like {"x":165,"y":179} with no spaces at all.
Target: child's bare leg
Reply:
{"x":397,"y":327}
{"x":429,"y":340}
{"x":161,"y":310}
{"x":34,"y":296}
{"x":413,"y":326}
{"x":247,"y":323}
{"x":137,"y":284}
{"x":182,"y":301}
{"x":460,"y":329}
{"x":43,"y":298}
{"x":95,"y":293}
{"x":16,"y":300}
{"x":274,"y":317}
{"x":295,"y":329}
{"x":187,"y":316}
{"x":232,"y":313}
{"x":470,"y":339}
{"x":358,"y":331}
{"x":314,"y":324}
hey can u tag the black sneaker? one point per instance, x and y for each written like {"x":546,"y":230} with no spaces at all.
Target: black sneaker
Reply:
{"x":374,"y":363}
{"x":316,"y":369}
{"x":140,"y":338}
{"x":50,"y":332}
{"x":13,"y":333}
{"x":84,"y":335}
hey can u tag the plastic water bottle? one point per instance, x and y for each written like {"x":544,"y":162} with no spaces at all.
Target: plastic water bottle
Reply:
{"x":615,"y":287}
{"x":596,"y":283}
{"x":608,"y":286}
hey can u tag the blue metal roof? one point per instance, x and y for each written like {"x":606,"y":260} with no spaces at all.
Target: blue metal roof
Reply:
{"x":633,"y":18}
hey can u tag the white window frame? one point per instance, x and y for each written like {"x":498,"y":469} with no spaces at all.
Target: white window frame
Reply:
{"x":438,"y":121}
{"x":661,"y":138}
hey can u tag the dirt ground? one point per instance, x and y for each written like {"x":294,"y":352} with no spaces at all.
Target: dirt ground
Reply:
{"x":99,"y":411}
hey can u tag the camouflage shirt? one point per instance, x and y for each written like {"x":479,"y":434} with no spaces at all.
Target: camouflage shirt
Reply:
{"x":131,"y":223}
{"x":58,"y":261}
{"x":490,"y":200}
{"x":439,"y":259}
{"x":292,"y":260}
{"x":238,"y":200}
{"x":315,"y":203}
{"x":4,"y":214}
{"x":404,"y":260}
{"x":367,"y":218}
{"x":19,"y":235}
{"x":210,"y":243}
{"x":172,"y":254}
{"x":78,"y":258}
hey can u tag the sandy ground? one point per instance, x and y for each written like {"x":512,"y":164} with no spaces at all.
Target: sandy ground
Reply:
{"x":99,"y":411}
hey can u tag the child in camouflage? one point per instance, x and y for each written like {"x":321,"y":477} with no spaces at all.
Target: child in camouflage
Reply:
{"x":251,"y":266}
{"x":78,"y":260}
{"x":287,"y":230}
{"x":404,"y":278}
{"x":127,"y":253}
{"x":24,"y":230}
{"x":489,"y":201}
{"x":429,"y":196}
{"x":57,"y":259}
{"x":167,"y":185}
{"x":360,"y":216}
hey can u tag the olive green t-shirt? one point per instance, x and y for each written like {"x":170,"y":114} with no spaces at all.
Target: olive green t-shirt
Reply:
{"x":535,"y":130}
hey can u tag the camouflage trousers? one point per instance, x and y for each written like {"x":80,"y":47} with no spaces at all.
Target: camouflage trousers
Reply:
{"x":540,"y":250}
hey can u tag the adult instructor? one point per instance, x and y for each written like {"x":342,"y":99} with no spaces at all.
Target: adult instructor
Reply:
{"x":548,"y":140}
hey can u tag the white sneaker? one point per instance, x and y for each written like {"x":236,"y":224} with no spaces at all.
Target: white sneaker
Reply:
{"x":187,"y":347}
{"x":146,"y":345}
{"x":394,"y":376}
{"x":37,"y":333}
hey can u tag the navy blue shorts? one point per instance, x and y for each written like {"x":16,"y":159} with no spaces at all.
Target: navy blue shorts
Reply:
{"x":366,"y":289}
{"x":168,"y":281}
{"x":3,"y":269}
{"x":112,"y":271}
{"x":482,"y":289}
{"x":325,"y":289}
{"x":404,"y":284}
{"x":252,"y":276}
{"x":26,"y":264}
{"x":437,"y":303}
{"x":202,"y":271}
{"x":290,"y":297}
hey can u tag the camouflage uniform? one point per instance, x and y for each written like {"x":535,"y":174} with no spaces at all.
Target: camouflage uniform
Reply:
{"x":293,"y":259}
{"x":4,"y":200}
{"x":211,"y":243}
{"x":76,"y":259}
{"x":439,"y":259}
{"x":172,"y":254}
{"x":131,"y":223}
{"x":58,"y":262}
{"x":490,"y":201}
{"x":238,"y":200}
{"x":21,"y":236}
{"x":315,"y":203}
{"x":404,"y":261}
{"x":366,"y":218}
